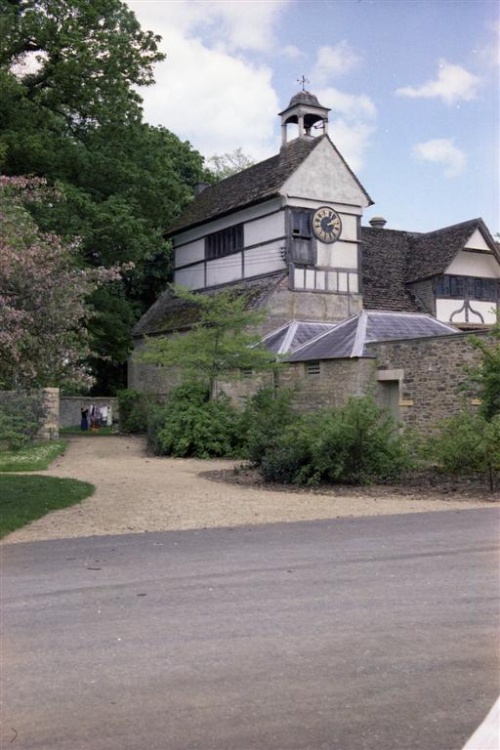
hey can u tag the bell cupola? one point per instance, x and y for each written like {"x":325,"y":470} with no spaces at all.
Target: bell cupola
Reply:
{"x":305,"y":111}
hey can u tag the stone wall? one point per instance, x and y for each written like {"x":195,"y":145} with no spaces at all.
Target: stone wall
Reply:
{"x":421,"y":380}
{"x":50,"y":429}
{"x":70,"y":408}
{"x":336,"y":382}
{"x":432,"y":375}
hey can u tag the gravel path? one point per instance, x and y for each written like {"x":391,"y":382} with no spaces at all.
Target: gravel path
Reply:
{"x":136,"y":492}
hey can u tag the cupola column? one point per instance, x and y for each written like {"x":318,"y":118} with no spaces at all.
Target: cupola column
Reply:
{"x":304,"y":111}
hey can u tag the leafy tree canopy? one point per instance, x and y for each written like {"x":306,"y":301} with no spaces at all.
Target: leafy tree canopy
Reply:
{"x":224,"y":165}
{"x":43,"y":299}
{"x":487,"y":374}
{"x":71,"y":113}
{"x":78,"y":59}
{"x":221,"y":343}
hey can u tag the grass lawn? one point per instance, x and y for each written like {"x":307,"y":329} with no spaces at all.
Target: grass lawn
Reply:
{"x":24,"y":498}
{"x":76,"y":430}
{"x":33,"y":457}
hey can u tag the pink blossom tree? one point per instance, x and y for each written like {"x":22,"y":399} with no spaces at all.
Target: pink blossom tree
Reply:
{"x":44,"y":312}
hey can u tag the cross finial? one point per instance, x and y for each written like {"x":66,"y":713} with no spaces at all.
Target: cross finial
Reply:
{"x":303,"y":80}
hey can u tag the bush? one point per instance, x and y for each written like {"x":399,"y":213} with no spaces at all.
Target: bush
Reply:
{"x":467,"y":445}
{"x":190,"y":425}
{"x":263,"y":420}
{"x":133,"y":407}
{"x":21,"y":418}
{"x":358,"y":443}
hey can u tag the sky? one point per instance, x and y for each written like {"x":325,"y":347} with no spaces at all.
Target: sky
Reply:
{"x":413,"y":87}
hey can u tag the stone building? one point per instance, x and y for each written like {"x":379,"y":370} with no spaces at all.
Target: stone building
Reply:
{"x":288,"y":234}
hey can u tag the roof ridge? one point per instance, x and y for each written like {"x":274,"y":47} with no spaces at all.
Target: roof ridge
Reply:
{"x":359,"y":339}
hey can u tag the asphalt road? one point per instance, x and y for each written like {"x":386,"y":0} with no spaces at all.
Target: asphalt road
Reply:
{"x":367,"y":633}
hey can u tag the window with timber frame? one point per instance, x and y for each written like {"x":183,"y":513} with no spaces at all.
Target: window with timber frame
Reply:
{"x":224,"y":242}
{"x":467,"y":286}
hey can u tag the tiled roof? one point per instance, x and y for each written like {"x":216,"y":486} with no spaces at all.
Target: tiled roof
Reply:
{"x":169,"y":313}
{"x":392,"y":259}
{"x":250,"y":186}
{"x":383,"y":267}
{"x":431,"y":253}
{"x":350,"y":338}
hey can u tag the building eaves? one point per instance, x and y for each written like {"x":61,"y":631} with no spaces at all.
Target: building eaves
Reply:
{"x":351,"y":338}
{"x":253,"y":185}
{"x":170,"y":314}
{"x":431,"y":253}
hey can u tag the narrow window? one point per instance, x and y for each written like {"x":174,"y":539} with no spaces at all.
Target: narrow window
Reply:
{"x":301,"y":223}
{"x":313,"y":367}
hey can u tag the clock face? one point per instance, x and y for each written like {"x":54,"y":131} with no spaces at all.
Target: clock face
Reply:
{"x":326,"y":224}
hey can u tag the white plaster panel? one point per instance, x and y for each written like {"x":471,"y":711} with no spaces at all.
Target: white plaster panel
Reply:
{"x":298,"y":278}
{"x":477,"y":242}
{"x":263,"y":259}
{"x":191,"y":278}
{"x":353,"y":282}
{"x":310,"y":281}
{"x":338,"y":255}
{"x":320,"y":280}
{"x":262,"y":209}
{"x":343,"y":282}
{"x":264,"y":228}
{"x":446,"y":311}
{"x":190,"y":253}
{"x":474,"y":264}
{"x":332,"y":281}
{"x":223,"y":270}
{"x":349,"y":227}
{"x":324,"y":176}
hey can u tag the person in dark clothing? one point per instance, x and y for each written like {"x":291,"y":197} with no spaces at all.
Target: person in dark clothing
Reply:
{"x":84,"y":422}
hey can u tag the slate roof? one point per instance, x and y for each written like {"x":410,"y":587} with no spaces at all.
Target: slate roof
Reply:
{"x":350,"y":338}
{"x":431,"y":253}
{"x":169,"y":313}
{"x":252,"y":185}
{"x":392,"y":259}
{"x":293,"y":334}
{"x":383,"y":268}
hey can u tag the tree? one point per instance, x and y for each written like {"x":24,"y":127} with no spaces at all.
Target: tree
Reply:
{"x":225,"y":165}
{"x":218,"y":345}
{"x":77,"y":61}
{"x":487,"y":374}
{"x":44,"y":339}
{"x":71,"y":113}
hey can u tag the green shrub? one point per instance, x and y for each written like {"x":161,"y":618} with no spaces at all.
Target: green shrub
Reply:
{"x":133,"y":407}
{"x":21,"y":418}
{"x":190,"y":425}
{"x":358,"y":443}
{"x":467,"y":445}
{"x":263,"y":420}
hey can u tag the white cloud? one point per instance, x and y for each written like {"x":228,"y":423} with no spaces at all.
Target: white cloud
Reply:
{"x":215,"y":101}
{"x":489,"y":55}
{"x":334,"y":61}
{"x":352,"y":123}
{"x":246,"y":25}
{"x":453,"y":83}
{"x":292,"y":52}
{"x":442,"y":151}
{"x":209,"y":90}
